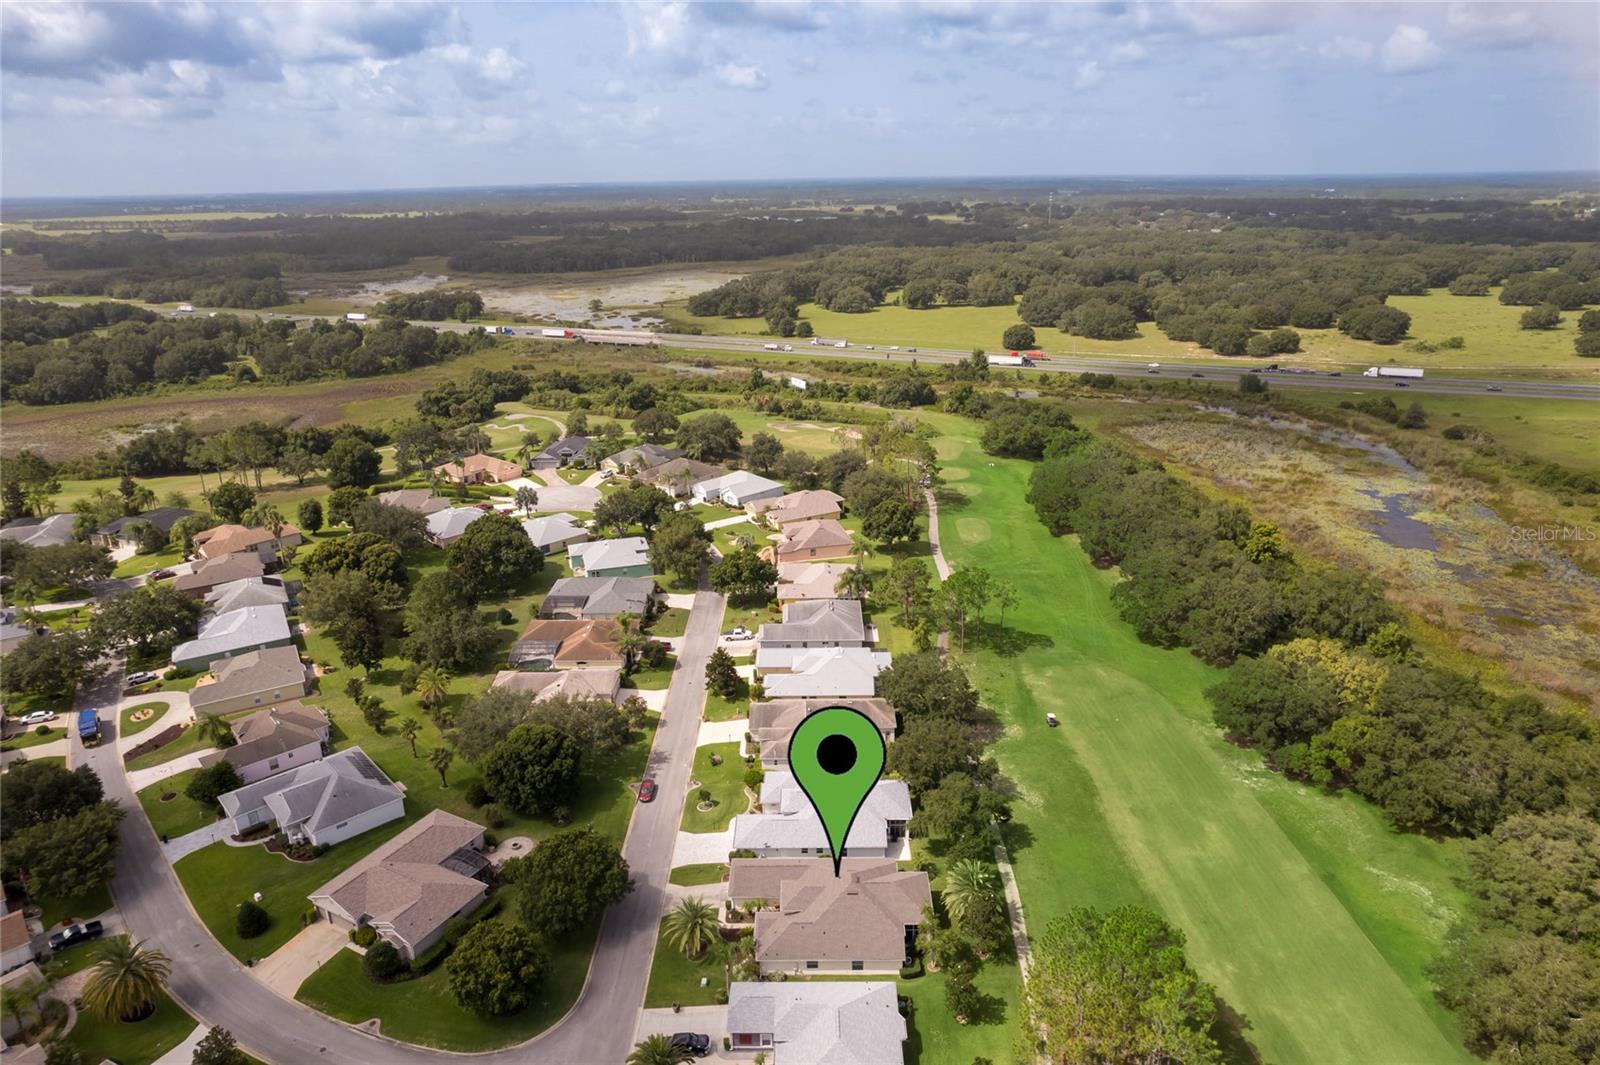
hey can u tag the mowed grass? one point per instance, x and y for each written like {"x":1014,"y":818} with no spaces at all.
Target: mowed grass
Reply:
{"x":1494,"y":340}
{"x":424,"y":1012}
{"x":1311,"y":917}
{"x":725,"y":782}
{"x":179,"y":814}
{"x":675,"y":977}
{"x":139,"y":1043}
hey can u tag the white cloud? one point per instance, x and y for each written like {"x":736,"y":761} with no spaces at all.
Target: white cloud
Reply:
{"x":1127,"y":52}
{"x":1344,"y":49}
{"x":1088,"y":76}
{"x":1409,"y":50}
{"x":741,"y":76}
{"x":1497,"y":25}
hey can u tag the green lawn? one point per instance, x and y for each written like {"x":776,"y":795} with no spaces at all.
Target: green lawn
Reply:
{"x":670,"y":622}
{"x":132,"y":1044}
{"x":675,"y":978}
{"x":726,"y":783}
{"x":218,"y":879}
{"x":135,"y":565}
{"x":720,"y":709}
{"x":187,"y":742}
{"x":652,"y":679}
{"x":178,"y":815}
{"x":90,"y":904}
{"x":1310,"y":916}
{"x":423,"y":1011}
{"x":32,"y":737}
{"x":691,"y":875}
{"x":129,"y":727}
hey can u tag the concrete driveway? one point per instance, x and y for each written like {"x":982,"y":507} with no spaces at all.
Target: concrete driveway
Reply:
{"x":190,"y":842}
{"x":140,"y":779}
{"x":559,"y":495}
{"x":723,"y":731}
{"x":286,"y":968}
{"x":702,"y":848}
{"x":702,"y":1020}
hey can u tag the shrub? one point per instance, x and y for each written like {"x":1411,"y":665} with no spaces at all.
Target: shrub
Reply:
{"x":251,"y":920}
{"x":365,"y":936}
{"x":476,"y":794}
{"x":42,"y":730}
{"x":494,"y":815}
{"x":408,"y":678}
{"x":753,"y":777}
{"x":383,"y":963}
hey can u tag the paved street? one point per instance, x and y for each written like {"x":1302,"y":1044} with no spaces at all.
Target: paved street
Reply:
{"x":218,"y":991}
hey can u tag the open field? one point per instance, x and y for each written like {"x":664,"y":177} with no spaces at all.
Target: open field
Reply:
{"x":1494,"y":340}
{"x":1310,"y":916}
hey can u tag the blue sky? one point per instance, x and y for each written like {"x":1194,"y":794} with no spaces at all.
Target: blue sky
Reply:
{"x":145,"y":99}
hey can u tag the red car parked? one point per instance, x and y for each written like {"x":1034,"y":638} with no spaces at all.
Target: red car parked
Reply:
{"x":647,"y":789}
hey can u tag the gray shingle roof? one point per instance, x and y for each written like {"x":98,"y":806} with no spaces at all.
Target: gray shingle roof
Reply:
{"x":247,"y":591}
{"x":598,"y":597}
{"x":448,"y":524}
{"x":248,"y":627}
{"x":843,"y":1022}
{"x":52,"y":530}
{"x":552,"y":529}
{"x":276,"y":668}
{"x":862,"y":913}
{"x":788,"y":820}
{"x":817,"y":622}
{"x":163,"y":518}
{"x":209,"y":574}
{"x":324,"y":793}
{"x":610,"y":554}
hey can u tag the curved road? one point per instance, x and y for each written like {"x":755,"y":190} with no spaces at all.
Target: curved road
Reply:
{"x":598,"y":1031}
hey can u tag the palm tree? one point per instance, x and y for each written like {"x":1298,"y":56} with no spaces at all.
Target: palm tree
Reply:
{"x":22,"y":999}
{"x":409,"y":730}
{"x":214,"y":729}
{"x":38,"y":496}
{"x":853,"y":583}
{"x":433,"y":684}
{"x":267,"y":516}
{"x":125,"y":981}
{"x":659,"y":1050}
{"x":527,"y":499}
{"x":971,"y":888}
{"x":692,"y":925}
{"x":532,"y":444}
{"x":440,"y":758}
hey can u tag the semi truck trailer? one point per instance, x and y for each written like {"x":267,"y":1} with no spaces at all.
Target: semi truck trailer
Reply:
{"x":1391,"y":371}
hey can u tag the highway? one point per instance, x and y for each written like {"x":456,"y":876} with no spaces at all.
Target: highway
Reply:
{"x":1122,"y":367}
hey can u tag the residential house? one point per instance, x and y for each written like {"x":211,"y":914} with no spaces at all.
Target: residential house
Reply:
{"x":737,"y":489}
{"x":809,"y":541}
{"x":206,"y":577}
{"x":13,"y":634}
{"x":123,"y":532}
{"x":326,"y":802}
{"x":808,"y":581}
{"x":862,"y":921}
{"x":247,"y":591}
{"x":562,"y":452}
{"x":808,"y":625}
{"x":598,"y":597}
{"x":554,"y":532}
{"x":638,"y":459}
{"x":561,"y":644}
{"x":808,"y":505}
{"x":417,"y":500}
{"x":411,"y":888}
{"x":625,"y":557}
{"x":582,"y":683}
{"x":446,"y":526}
{"x":479,"y":469}
{"x":788,"y":826}
{"x":16,"y":941}
{"x":17,"y":1052}
{"x":236,"y":539}
{"x":52,"y":530}
{"x":255,"y":678}
{"x":772,"y":722}
{"x":840,"y":1022}
{"x":844,"y":672}
{"x":677,"y":477}
{"x":274,"y":740}
{"x":253,"y":628}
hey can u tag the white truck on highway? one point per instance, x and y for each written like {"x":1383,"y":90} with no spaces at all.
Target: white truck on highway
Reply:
{"x":1391,"y":371}
{"x":355,"y":316}
{"x":1013,"y":359}
{"x":556,"y":334}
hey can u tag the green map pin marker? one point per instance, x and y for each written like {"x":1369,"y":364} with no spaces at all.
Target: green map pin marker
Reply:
{"x":837,"y":756}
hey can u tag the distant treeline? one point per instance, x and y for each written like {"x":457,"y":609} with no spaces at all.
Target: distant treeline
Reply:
{"x":111,"y":349}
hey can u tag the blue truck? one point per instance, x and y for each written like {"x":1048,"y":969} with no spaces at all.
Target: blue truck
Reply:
{"x":89,"y":727}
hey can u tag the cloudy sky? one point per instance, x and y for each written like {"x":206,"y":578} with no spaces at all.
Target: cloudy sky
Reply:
{"x":147,"y":99}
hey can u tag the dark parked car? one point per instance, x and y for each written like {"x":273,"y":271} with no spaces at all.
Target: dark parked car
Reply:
{"x":161,"y":574}
{"x":72,"y":935}
{"x":699,"y":1045}
{"x":647,"y":789}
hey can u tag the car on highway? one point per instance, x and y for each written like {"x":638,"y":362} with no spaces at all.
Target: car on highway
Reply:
{"x":894,"y":347}
{"x":1401,"y":384}
{"x":1197,"y":375}
{"x":647,"y":789}
{"x":141,"y":678}
{"x":739,"y":633}
{"x":38,"y":717}
{"x":72,"y":935}
{"x":1492,"y":388}
{"x":697,"y":1044}
{"x":1335,"y":373}
{"x":788,"y":347}
{"x":872,"y":347}
{"x":911,"y":349}
{"x":162,"y":574}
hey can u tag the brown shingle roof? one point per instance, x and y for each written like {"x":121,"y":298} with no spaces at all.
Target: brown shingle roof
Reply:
{"x":218,"y":570}
{"x":226,"y":539}
{"x":861,"y":914}
{"x":802,"y":536}
{"x":580,"y":641}
{"x":13,"y":931}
